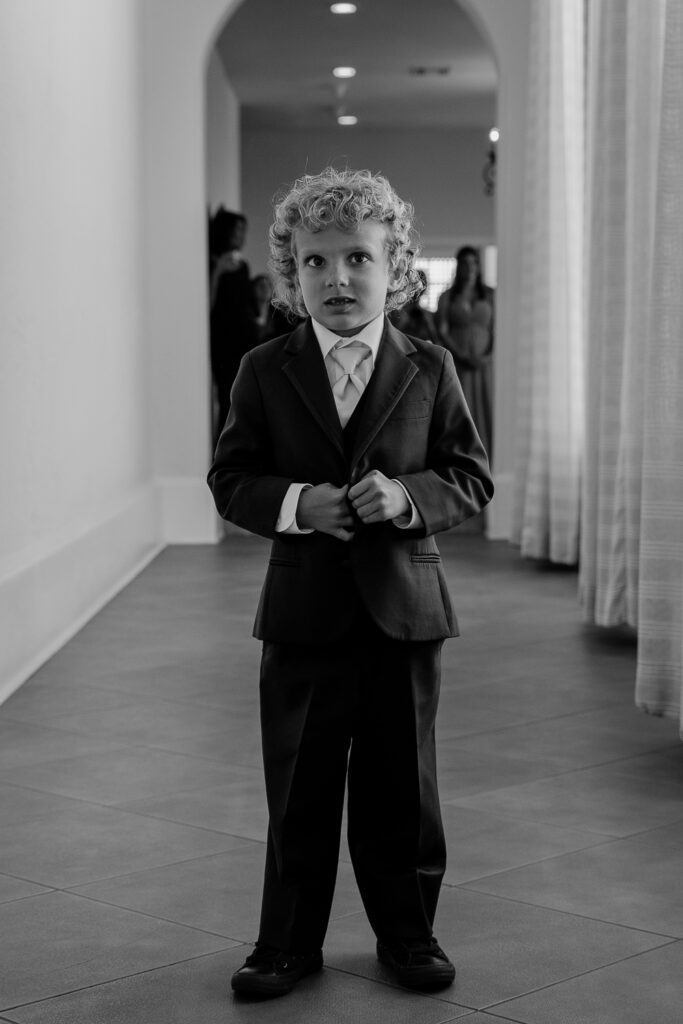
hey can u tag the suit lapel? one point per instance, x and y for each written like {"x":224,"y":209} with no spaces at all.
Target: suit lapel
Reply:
{"x":306,"y":371}
{"x":393,"y":372}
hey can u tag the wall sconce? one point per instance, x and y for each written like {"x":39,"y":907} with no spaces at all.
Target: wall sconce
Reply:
{"x":489,"y":171}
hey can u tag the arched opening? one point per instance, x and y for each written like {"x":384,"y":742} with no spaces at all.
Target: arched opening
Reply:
{"x":424,"y":95}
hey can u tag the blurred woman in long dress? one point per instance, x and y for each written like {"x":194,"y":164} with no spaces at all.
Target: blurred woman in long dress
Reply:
{"x":464,"y":320}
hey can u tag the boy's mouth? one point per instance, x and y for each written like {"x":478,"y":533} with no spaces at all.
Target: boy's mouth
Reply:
{"x":339,"y":300}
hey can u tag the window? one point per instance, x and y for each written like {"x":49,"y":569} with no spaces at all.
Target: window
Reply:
{"x":440,"y":274}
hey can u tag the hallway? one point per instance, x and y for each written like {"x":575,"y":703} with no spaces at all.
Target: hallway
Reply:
{"x":134,"y":821}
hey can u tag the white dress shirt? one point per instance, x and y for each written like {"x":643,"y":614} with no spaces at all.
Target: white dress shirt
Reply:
{"x":371,"y":335}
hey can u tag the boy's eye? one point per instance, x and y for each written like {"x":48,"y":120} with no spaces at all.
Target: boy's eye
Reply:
{"x":359,"y":257}
{"x":314,"y":261}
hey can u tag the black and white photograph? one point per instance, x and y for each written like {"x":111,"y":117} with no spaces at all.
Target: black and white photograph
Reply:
{"x":341,"y":512}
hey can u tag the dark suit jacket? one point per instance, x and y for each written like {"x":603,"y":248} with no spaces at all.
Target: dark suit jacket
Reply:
{"x":415,"y":426}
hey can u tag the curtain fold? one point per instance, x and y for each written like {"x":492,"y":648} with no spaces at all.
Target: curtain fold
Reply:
{"x":624,"y":76}
{"x":550,"y":394}
{"x":659,"y":683}
{"x":631,"y":565}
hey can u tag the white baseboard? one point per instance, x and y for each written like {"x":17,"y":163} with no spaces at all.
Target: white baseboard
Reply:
{"x":499,"y":512}
{"x":49,"y":592}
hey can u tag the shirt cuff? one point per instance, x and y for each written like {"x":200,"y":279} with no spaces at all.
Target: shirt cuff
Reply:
{"x":412,"y":518}
{"x":286,"y":521}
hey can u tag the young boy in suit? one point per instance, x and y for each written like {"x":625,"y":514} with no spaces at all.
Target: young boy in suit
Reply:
{"x":350,"y":445}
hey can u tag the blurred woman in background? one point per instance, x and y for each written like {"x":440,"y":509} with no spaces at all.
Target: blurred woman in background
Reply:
{"x":464,"y":321}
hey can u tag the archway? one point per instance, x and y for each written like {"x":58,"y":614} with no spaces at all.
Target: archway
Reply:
{"x":503,"y":34}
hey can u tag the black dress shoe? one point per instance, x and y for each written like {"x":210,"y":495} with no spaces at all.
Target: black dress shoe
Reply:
{"x":421,"y":965}
{"x":270,"y":972}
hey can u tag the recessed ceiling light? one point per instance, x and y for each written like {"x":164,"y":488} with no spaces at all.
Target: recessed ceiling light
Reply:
{"x":494,"y":135}
{"x":343,"y":72}
{"x":347,"y":119}
{"x":422,"y":70}
{"x":343,"y":8}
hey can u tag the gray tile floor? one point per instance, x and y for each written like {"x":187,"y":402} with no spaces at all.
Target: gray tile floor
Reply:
{"x":133,"y":815}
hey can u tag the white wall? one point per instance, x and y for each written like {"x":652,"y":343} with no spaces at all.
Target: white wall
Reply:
{"x":76,"y":510}
{"x":507,"y":24}
{"x":176,"y":40}
{"x":222,"y":138}
{"x":439,"y":171}
{"x":104,"y":406}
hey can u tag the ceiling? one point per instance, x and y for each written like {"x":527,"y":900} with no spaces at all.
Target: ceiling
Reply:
{"x":279,"y":55}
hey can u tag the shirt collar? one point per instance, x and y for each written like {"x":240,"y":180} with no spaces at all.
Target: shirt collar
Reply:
{"x":371,"y":335}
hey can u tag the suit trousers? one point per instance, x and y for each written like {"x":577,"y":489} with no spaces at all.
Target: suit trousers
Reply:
{"x":364,"y":708}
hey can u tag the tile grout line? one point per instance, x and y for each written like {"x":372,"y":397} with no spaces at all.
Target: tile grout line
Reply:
{"x":572,"y":913}
{"x":575,"y":977}
{"x":544,"y":822}
{"x":527,"y":864}
{"x":570,"y":770}
{"x":155,"y":917}
{"x":110,"y":878}
{"x":607,"y":840}
{"x":128,"y":910}
{"x":112,"y":981}
{"x":203,"y":956}
{"x":121,"y":810}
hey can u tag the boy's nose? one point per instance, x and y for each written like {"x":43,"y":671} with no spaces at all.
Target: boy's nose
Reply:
{"x":337,"y":276}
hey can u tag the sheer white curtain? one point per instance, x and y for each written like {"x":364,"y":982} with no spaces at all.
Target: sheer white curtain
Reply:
{"x":550,"y":410}
{"x":632,"y":519}
{"x":623,"y":106}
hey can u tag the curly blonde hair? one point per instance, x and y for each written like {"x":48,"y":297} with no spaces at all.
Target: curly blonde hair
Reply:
{"x":344,"y":199}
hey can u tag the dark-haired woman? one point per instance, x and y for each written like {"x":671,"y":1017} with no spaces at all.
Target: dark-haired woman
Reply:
{"x":464,"y":320}
{"x":232,"y":330}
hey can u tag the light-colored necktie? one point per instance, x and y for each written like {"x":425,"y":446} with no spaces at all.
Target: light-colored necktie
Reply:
{"x":349,"y":369}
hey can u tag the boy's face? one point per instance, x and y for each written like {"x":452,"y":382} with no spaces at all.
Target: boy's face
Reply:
{"x":344,"y":275}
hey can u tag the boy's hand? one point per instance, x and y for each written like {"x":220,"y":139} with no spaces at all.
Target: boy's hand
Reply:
{"x":326,"y":508}
{"x":377,"y":499}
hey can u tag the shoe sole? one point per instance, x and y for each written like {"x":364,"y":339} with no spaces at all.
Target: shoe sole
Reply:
{"x":423,"y":978}
{"x":271,"y":987}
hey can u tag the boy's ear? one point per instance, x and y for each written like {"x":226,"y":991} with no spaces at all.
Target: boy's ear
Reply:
{"x":395,"y":273}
